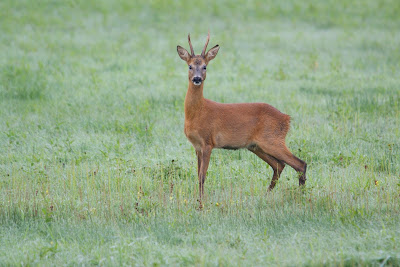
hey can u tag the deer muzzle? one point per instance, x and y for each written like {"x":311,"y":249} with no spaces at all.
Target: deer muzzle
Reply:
{"x":197,"y":80}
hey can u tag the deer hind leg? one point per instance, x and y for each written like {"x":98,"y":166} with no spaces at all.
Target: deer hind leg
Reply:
{"x":276,"y":165}
{"x":198,"y":154}
{"x":282,"y":153}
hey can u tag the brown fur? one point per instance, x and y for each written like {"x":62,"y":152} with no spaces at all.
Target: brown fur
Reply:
{"x":257,"y":127}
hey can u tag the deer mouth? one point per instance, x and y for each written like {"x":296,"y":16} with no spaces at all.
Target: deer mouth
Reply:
{"x":196,"y":83}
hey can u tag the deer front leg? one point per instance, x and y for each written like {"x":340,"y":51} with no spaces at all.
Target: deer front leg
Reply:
{"x":204,"y":157}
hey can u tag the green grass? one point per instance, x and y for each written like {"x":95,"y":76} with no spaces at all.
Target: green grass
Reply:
{"x":95,"y":168}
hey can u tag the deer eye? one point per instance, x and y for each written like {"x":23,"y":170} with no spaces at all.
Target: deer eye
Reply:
{"x":190,"y":67}
{"x":204,"y":68}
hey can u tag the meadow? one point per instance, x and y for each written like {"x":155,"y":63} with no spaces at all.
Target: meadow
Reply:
{"x":95,"y":168}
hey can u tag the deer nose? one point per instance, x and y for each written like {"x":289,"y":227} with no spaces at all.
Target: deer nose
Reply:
{"x":197,"y":80}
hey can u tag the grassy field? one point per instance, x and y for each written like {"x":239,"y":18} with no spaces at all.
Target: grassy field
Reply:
{"x":95,"y":168}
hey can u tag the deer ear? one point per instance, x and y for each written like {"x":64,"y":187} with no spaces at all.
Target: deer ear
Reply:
{"x":183,"y":53}
{"x":212,"y":53}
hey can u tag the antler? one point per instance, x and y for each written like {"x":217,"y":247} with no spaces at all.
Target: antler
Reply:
{"x":205,"y":46}
{"x":191,"y":47}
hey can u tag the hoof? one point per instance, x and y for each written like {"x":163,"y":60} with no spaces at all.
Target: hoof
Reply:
{"x":200,"y":205}
{"x":302,"y":181}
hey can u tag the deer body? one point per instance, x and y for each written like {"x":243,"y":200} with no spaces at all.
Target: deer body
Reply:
{"x":258,"y":127}
{"x":233,"y":126}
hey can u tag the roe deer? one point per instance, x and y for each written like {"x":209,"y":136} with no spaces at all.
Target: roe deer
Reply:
{"x":257,"y":127}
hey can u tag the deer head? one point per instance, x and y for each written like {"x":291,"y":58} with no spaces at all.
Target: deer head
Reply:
{"x":197,"y":63}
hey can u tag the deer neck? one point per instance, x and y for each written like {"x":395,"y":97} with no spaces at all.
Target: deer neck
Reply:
{"x":193,"y":100}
